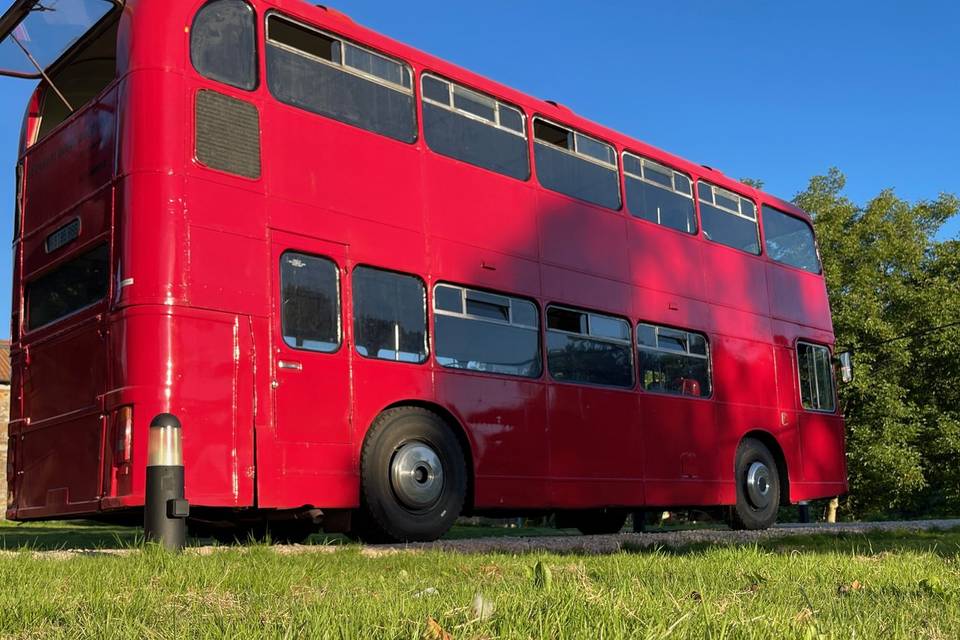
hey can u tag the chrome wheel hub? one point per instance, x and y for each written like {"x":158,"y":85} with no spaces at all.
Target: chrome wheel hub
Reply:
{"x":416,"y":475}
{"x":758,"y":485}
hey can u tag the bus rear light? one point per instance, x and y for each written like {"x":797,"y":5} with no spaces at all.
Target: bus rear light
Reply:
{"x":123,"y":431}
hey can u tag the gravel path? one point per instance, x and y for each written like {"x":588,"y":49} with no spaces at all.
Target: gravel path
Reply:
{"x":613,"y":543}
{"x":552,"y":544}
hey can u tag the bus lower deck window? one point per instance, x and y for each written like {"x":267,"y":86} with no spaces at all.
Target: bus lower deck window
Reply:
{"x":309,"y":302}
{"x":673,"y":361}
{"x":389,"y":315}
{"x":490,"y":333}
{"x":816,"y":377}
{"x":588,"y":347}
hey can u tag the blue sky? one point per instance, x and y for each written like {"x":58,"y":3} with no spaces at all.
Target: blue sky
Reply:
{"x":778,"y":91}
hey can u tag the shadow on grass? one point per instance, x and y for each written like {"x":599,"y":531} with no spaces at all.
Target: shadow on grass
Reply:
{"x":66,"y":535}
{"x":942,"y":542}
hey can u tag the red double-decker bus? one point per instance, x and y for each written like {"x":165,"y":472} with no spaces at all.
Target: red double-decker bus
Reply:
{"x":382,"y":291}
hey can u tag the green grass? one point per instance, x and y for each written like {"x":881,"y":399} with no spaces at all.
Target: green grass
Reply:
{"x":880,"y":585}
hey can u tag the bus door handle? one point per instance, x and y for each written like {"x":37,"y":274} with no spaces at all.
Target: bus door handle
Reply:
{"x":290,"y":364}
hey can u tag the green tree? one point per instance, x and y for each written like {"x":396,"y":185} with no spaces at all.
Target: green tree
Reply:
{"x":893,"y":289}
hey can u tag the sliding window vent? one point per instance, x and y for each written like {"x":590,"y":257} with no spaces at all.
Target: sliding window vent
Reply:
{"x":228,"y":134}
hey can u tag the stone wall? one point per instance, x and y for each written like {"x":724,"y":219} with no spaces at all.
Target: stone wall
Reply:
{"x":4,"y":418}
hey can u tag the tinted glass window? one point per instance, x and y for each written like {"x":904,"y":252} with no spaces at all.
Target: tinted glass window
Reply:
{"x":589,"y":174}
{"x":475,"y":103}
{"x":365,"y":89}
{"x":789,"y":240}
{"x":728,"y":218}
{"x":474,"y":128}
{"x":304,"y":40}
{"x":72,"y":286}
{"x":376,"y":65}
{"x":579,"y":348}
{"x":223,"y":43}
{"x":673,"y":361}
{"x":485,"y":305}
{"x":448,"y":298}
{"x":436,"y":90}
{"x":389,"y":315}
{"x":309,"y":302}
{"x":496,"y":334}
{"x":595,"y":149}
{"x":816,"y":377}
{"x":659,"y":194}
{"x":511,"y":118}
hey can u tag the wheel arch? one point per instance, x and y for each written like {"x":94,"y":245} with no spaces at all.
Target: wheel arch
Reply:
{"x":771,"y":442}
{"x":456,"y":426}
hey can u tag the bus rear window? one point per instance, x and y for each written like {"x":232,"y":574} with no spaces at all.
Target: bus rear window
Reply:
{"x":74,"y":285}
{"x":223,"y":43}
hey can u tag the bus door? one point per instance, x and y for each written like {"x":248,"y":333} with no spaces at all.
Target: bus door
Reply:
{"x":310,"y":458}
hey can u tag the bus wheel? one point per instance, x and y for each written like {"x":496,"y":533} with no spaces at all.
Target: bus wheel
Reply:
{"x":413,"y":478}
{"x":758,"y":487}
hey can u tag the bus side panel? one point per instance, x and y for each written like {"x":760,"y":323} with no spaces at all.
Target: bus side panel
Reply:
{"x":734,"y":279}
{"x":582,"y":237}
{"x":824,"y":456}
{"x":798,"y":296}
{"x":196,"y":365}
{"x":214,"y":393}
{"x":60,"y":460}
{"x":506,"y":422}
{"x":315,"y":160}
{"x":61,"y":446}
{"x":662,"y":259}
{"x":485,"y":209}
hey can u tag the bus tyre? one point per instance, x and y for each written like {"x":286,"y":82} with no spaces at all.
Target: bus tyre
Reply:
{"x":413,"y":478}
{"x":758,"y":487}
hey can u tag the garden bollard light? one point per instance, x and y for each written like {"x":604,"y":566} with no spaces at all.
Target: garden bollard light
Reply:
{"x":165,"y":510}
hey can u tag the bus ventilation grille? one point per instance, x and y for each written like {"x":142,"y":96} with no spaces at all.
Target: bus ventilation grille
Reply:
{"x":228,"y":134}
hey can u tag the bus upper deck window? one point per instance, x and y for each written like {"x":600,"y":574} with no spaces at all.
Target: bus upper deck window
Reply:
{"x":223,"y":43}
{"x":728,"y":218}
{"x":575,"y":164}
